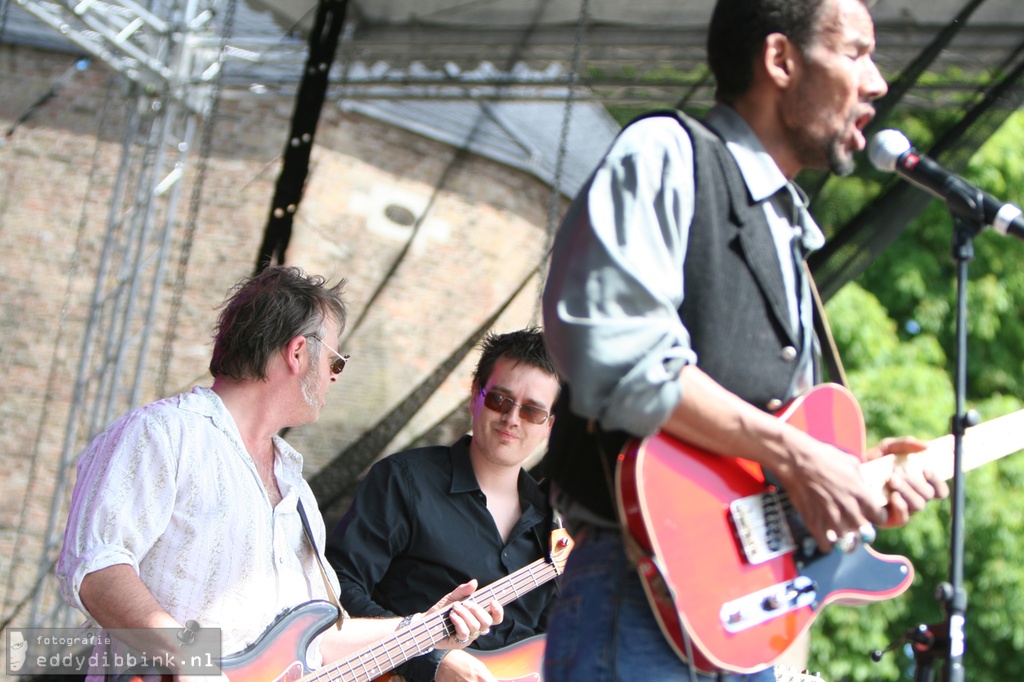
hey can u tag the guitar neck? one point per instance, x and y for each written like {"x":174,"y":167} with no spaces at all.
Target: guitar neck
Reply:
{"x":983,"y":443}
{"x":420,"y":637}
{"x":517,"y":584}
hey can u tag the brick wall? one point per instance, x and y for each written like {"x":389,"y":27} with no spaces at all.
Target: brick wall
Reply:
{"x":482,"y":233}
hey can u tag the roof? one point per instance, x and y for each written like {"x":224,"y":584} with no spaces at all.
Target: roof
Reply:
{"x":523,"y":135}
{"x":483,"y":61}
{"x":624,"y":47}
{"x":621,"y":49}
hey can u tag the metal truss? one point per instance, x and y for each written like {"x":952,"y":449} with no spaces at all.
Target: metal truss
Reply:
{"x":164,"y":49}
{"x":129,"y":284}
{"x":171,"y":61}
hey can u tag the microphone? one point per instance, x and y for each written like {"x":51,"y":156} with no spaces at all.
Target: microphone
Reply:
{"x":890,"y":151}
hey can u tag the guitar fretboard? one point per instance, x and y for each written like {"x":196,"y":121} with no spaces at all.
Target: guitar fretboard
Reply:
{"x":419,"y":638}
{"x":983,"y":443}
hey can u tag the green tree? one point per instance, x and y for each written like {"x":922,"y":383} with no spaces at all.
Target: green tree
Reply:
{"x":895,"y":329}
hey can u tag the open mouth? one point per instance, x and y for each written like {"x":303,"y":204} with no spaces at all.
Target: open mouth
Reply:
{"x":859,"y":124}
{"x":864,"y":119}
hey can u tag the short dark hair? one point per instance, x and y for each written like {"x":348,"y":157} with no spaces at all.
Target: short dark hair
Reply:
{"x":523,"y":345}
{"x":266,"y":311}
{"x":736,"y":37}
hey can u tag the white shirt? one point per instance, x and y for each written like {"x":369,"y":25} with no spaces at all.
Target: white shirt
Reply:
{"x":170,"y":490}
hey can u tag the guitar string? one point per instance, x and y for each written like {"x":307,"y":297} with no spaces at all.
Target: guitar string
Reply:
{"x":980,"y":439}
{"x":785,"y":506}
{"x":523,"y":578}
{"x":415,"y":636}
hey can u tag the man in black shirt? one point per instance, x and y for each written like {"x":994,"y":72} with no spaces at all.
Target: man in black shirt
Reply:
{"x":425,"y":519}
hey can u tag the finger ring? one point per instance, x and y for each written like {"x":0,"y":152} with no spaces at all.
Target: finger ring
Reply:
{"x":460,"y":640}
{"x":867,"y":533}
{"x":484,"y":632}
{"x":848,"y":542}
{"x":475,"y":633}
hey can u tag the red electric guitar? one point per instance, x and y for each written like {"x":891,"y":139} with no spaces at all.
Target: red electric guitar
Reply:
{"x":730,"y":571}
{"x":279,"y":654}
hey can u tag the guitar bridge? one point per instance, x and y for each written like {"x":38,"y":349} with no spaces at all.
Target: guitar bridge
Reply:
{"x":761,"y":526}
{"x":764,"y":605}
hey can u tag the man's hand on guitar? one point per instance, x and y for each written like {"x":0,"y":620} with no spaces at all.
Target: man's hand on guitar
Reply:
{"x":908,"y":490}
{"x":836,"y":505}
{"x":825,"y":485}
{"x":461,"y":666}
{"x":469,"y":619}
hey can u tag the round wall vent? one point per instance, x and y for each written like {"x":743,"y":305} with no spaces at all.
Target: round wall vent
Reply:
{"x":400,"y":215}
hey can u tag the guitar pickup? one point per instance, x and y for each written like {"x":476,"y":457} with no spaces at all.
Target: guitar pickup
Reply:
{"x":761,"y":526}
{"x":764,"y":605}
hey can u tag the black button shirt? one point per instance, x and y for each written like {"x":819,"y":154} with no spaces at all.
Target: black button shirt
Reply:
{"x":418,"y":527}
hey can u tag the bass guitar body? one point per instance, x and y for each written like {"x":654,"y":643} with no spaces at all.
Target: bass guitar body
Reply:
{"x":279,"y":655}
{"x":519,"y":662}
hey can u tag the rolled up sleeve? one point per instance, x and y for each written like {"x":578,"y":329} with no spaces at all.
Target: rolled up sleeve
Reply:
{"x":121,"y":504}
{"x":613,"y":293}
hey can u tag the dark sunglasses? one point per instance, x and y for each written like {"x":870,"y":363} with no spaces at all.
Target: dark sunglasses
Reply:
{"x":502,"y":404}
{"x":338,"y":365}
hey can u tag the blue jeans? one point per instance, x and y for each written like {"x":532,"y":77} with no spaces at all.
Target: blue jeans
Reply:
{"x":601,"y":627}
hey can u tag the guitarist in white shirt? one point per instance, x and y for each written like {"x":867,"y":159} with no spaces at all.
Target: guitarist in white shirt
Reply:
{"x":187,"y":509}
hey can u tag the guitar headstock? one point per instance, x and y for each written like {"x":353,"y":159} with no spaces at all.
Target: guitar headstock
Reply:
{"x":785,"y":674}
{"x":561,"y":545}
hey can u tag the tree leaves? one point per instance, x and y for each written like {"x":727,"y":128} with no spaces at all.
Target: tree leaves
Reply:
{"x":895,"y":328}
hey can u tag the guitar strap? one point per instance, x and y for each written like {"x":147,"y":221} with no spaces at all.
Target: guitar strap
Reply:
{"x":829,"y":352}
{"x":320,"y":564}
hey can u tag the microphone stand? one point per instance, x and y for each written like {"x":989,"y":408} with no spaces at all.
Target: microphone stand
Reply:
{"x":965,"y":204}
{"x":946,"y":641}
{"x":929,"y":644}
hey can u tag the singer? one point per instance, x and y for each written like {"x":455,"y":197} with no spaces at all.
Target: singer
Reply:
{"x":698,"y":324}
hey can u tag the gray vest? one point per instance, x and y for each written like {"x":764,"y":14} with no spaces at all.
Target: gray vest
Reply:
{"x":734,"y":307}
